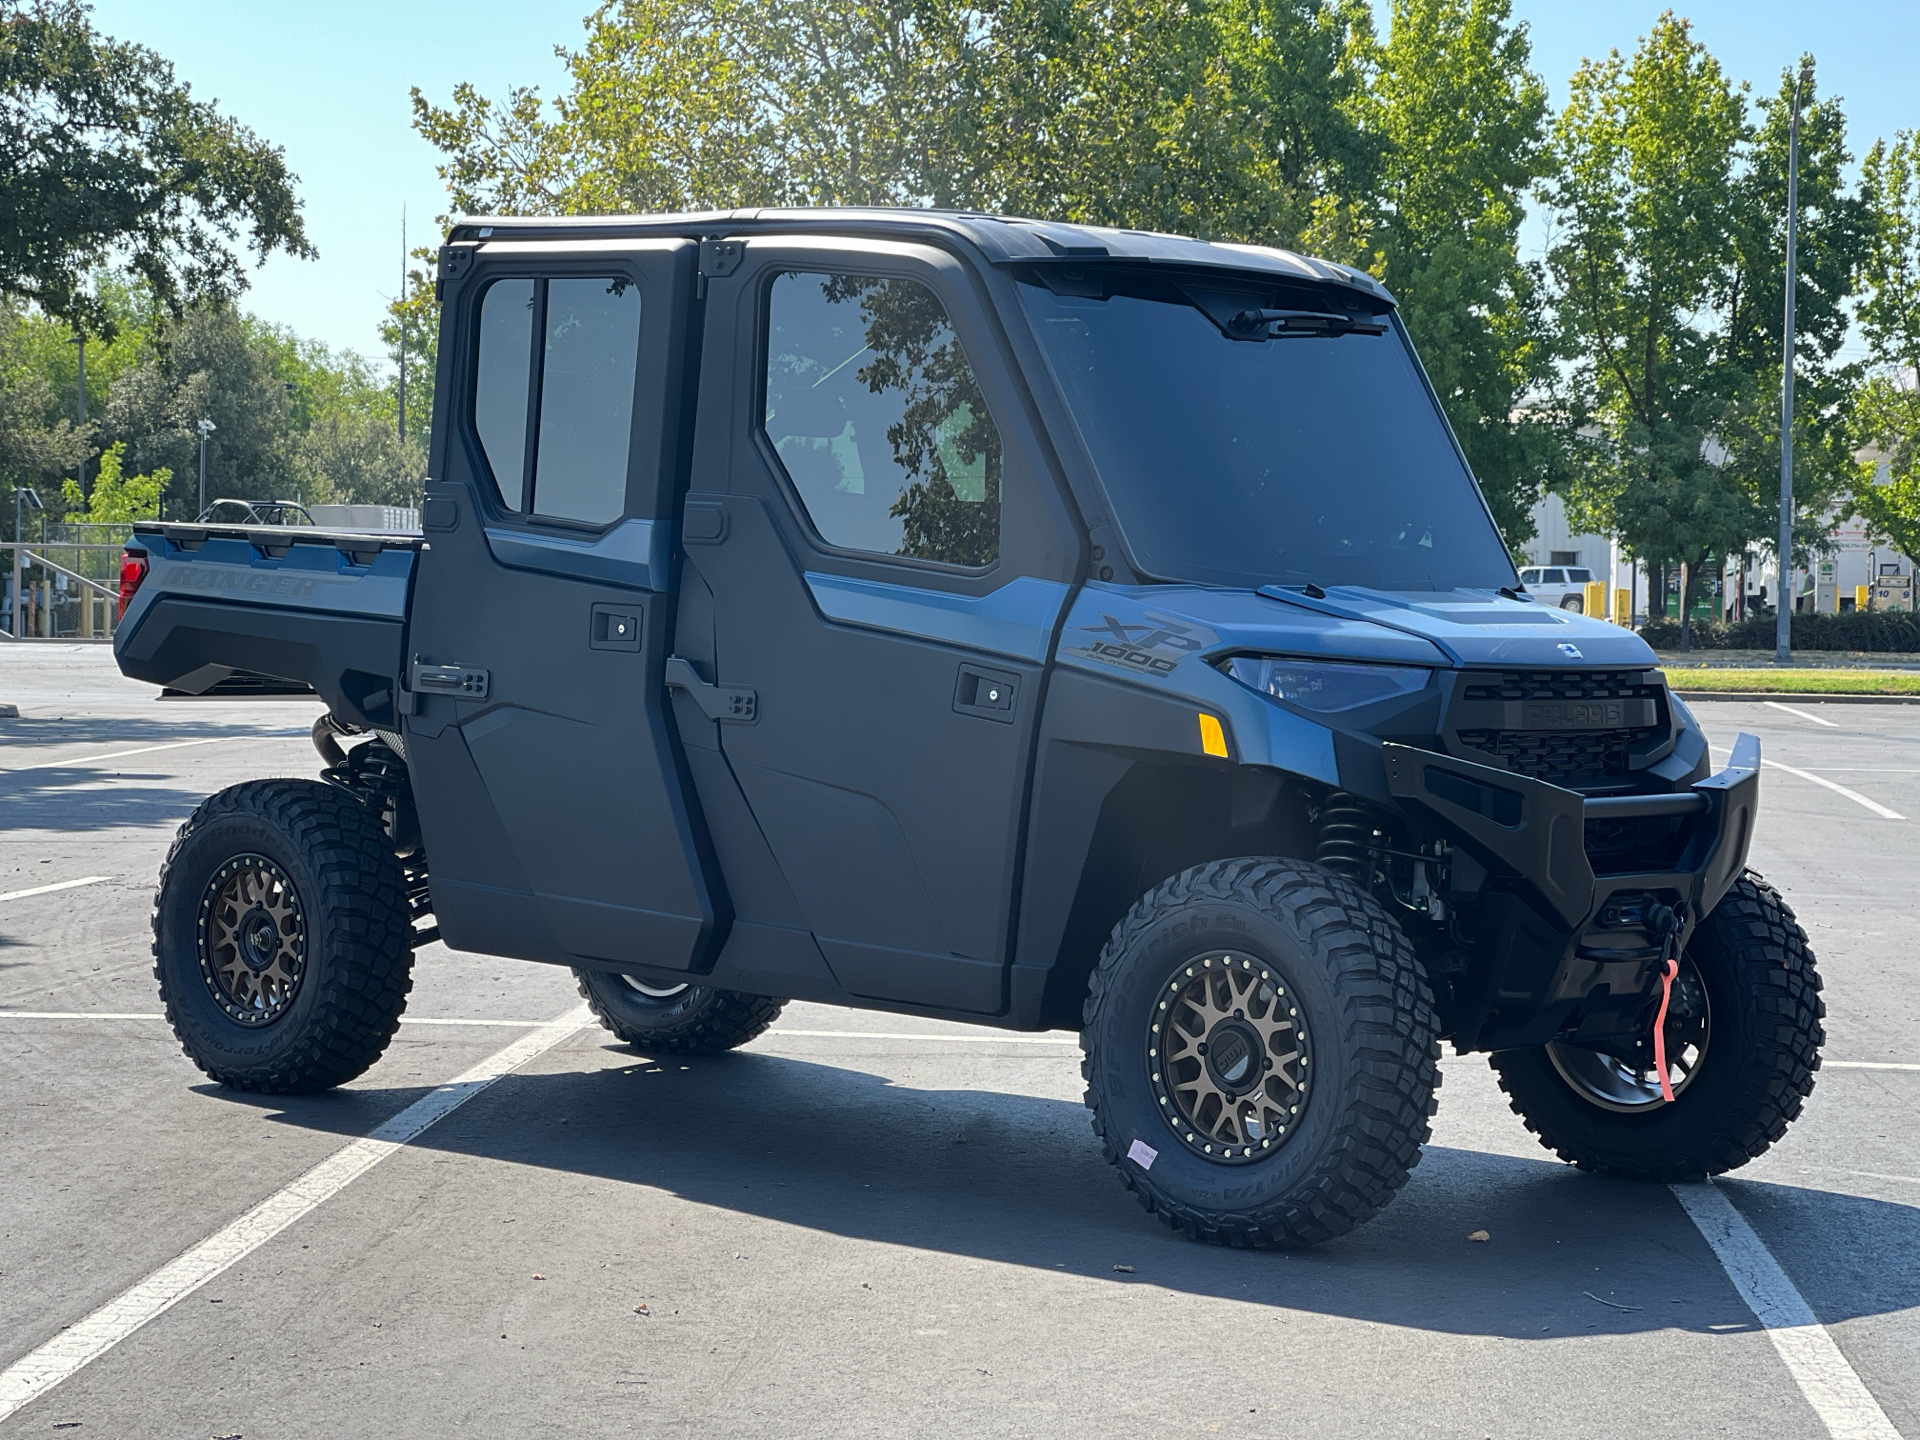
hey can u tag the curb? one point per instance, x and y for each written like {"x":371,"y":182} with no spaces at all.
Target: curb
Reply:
{"x":1796,"y":695}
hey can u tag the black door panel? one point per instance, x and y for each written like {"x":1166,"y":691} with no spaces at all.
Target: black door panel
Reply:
{"x":604,"y":859}
{"x":886,"y":764}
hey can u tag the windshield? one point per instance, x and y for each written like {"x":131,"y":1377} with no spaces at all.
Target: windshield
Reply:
{"x":1314,"y":459}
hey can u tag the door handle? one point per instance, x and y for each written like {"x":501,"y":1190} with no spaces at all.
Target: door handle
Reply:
{"x":989,"y":694}
{"x":727,"y":704}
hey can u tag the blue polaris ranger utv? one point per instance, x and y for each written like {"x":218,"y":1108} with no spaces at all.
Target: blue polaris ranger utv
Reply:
{"x":994,"y":620}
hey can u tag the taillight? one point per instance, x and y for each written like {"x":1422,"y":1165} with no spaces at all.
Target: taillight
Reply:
{"x":133,"y":569}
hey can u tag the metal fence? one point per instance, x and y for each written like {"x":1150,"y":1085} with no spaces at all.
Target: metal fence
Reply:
{"x":62,"y":588}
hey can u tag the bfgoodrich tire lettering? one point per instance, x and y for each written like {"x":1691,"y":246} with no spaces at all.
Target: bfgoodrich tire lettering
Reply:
{"x":354,"y":956}
{"x":1364,"y":999}
{"x":687,"y":1019}
{"x":1753,"y":1079}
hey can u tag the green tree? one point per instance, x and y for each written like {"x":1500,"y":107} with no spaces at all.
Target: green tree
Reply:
{"x":1886,"y":411}
{"x":1464,"y":117}
{"x":1643,"y":190}
{"x":1833,"y":240}
{"x":116,"y":497}
{"x":1234,"y":121}
{"x":37,"y":443}
{"x":104,"y":154}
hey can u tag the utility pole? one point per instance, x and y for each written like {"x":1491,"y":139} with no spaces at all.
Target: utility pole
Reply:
{"x":80,"y":339}
{"x":403,"y":324}
{"x":206,"y":428}
{"x":1783,"y":616}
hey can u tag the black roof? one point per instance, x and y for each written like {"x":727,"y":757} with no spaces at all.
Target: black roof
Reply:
{"x":1002,"y":240}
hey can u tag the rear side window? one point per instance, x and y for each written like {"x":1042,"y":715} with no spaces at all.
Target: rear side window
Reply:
{"x":876,"y":415}
{"x":1554,"y":577}
{"x":553,"y":393}
{"x":1580,"y":577}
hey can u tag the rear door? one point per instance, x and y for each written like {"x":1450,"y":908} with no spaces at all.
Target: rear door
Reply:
{"x":877,"y":561}
{"x":552,"y":796}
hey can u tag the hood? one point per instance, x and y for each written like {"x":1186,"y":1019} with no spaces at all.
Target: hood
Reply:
{"x":1480,"y":627}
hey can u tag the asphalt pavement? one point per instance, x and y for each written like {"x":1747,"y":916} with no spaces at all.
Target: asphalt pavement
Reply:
{"x":862,"y":1224}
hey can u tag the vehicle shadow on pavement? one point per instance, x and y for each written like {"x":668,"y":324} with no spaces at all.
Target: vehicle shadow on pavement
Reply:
{"x":51,"y":800}
{"x":1019,"y":1180}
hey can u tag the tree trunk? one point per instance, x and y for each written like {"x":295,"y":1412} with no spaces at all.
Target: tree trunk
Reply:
{"x":1686,"y":606}
{"x":1657,"y":590}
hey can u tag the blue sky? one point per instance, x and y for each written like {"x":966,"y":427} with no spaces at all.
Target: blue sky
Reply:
{"x":330,"y":83}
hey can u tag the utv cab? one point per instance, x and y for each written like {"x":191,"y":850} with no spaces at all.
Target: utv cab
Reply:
{"x":1009,"y":622}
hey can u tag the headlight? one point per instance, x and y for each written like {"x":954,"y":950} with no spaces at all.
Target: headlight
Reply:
{"x":1326,"y":687}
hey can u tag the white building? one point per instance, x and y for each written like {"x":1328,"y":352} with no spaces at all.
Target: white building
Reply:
{"x":1857,"y":558}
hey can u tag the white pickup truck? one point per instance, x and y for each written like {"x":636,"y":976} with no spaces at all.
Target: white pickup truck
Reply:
{"x":1562,"y":585}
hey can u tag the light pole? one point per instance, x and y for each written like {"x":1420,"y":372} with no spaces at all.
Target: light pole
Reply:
{"x":1783,"y":617}
{"x":25,"y":498}
{"x":206,"y":428}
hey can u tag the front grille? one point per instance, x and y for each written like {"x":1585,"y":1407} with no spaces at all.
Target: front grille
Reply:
{"x":1551,"y":724}
{"x":1561,"y":685}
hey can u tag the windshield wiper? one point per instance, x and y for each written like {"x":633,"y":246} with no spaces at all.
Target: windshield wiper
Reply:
{"x":1286,"y":324}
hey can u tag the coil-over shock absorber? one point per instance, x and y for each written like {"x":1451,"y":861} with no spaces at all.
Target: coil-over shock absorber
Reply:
{"x":1348,"y":830}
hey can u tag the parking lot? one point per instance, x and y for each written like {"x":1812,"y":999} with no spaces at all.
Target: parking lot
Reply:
{"x":862,"y":1224}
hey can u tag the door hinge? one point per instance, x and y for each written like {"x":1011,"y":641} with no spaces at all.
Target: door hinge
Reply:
{"x":720,"y":258}
{"x":463,"y":682}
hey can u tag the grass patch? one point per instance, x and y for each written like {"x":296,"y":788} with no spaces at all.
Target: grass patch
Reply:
{"x":1797,"y":682}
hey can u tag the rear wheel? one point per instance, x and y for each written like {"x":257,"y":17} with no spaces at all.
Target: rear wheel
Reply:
{"x":281,"y":938}
{"x":1743,"y":1038}
{"x":1260,"y":1053}
{"x":1575,"y":603}
{"x":677,"y":1018}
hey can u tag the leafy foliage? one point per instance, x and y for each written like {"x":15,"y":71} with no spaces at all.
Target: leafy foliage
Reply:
{"x":117,"y":498}
{"x":1667,"y":280}
{"x":104,"y":154}
{"x":1886,"y":416}
{"x":1464,"y":118}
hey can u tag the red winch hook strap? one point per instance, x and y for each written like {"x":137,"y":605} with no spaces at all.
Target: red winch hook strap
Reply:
{"x":1660,"y":1021}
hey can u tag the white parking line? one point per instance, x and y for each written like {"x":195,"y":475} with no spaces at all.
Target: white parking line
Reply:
{"x":49,"y":889}
{"x":1854,"y":795}
{"x":1804,"y":715}
{"x":1838,"y":1396}
{"x":1865,"y":1065}
{"x":148,"y":750}
{"x":86,"y":1341}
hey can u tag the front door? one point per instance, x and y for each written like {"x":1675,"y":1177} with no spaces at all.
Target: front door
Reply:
{"x":556,"y":820}
{"x":876,"y":565}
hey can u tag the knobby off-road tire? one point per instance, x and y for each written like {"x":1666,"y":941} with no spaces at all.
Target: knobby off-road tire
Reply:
{"x":301,"y":876}
{"x":1366,"y":1020}
{"x":1764,"y":1007}
{"x":684,"y":1019}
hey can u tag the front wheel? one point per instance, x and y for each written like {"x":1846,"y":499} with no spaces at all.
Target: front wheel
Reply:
{"x":1260,"y":1053}
{"x":1743,"y":1038}
{"x":675,"y":1017}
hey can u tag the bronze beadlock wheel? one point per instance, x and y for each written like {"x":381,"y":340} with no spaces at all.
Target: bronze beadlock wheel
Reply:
{"x":253,"y":940}
{"x":1228,"y":1052}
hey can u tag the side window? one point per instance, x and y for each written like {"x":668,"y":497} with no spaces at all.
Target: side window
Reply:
{"x":1529,"y":577}
{"x":1554,"y":577}
{"x":573,"y":343}
{"x":874,"y":411}
{"x":503,"y":374}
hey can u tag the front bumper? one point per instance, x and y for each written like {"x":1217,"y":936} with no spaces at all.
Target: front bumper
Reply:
{"x":1558,"y":951}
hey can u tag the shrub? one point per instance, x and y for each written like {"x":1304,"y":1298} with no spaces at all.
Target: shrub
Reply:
{"x":1876,"y":631}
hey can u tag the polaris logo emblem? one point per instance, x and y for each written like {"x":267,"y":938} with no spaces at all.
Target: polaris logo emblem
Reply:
{"x":1572,"y":652}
